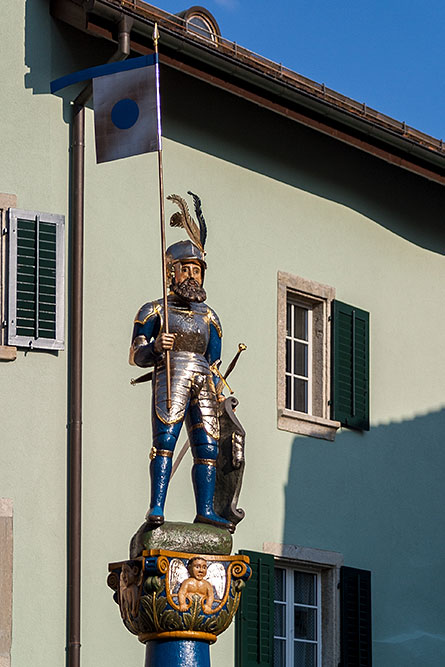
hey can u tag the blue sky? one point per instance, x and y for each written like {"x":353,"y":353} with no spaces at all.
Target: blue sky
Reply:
{"x":386,"y":53}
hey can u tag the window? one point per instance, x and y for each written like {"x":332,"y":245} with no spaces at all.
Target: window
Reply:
{"x":201,"y":27}
{"x":201,"y":23}
{"x":304,"y":357}
{"x":298,"y":355}
{"x":297,"y":618}
{"x":303,"y":608}
{"x":323,"y":360}
{"x":35,"y":293}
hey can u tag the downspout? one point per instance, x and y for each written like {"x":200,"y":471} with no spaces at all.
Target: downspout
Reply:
{"x":75,"y":361}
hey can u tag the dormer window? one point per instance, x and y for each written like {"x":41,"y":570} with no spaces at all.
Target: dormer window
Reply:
{"x":202,"y":27}
{"x":200,"y":21}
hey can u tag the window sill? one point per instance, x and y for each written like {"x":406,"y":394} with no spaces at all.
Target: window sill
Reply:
{"x":8,"y":353}
{"x":304,"y":424}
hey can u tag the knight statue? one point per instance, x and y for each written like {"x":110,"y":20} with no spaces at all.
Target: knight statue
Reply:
{"x":194,"y":341}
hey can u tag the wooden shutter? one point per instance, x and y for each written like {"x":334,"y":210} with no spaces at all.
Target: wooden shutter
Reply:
{"x":254,"y":620}
{"x":350,"y":366}
{"x":36,"y":279}
{"x":355,"y":624}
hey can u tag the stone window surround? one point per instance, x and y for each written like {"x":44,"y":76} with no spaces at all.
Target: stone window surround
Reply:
{"x":319,"y":298}
{"x":6,"y":558}
{"x":327,"y":564}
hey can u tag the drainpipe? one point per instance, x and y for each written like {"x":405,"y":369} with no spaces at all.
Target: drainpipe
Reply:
{"x":75,"y":361}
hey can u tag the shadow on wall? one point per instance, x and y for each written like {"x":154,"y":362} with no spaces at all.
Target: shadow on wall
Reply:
{"x":379,"y":499}
{"x":238,"y":131}
{"x":62,"y":51}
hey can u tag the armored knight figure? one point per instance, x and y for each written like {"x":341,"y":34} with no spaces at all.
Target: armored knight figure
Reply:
{"x":194,"y":341}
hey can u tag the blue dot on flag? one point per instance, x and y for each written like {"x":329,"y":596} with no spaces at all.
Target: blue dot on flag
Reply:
{"x":124,"y":114}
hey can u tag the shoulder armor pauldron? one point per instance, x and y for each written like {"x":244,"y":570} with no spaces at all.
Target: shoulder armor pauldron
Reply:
{"x":146,"y":311}
{"x":214,"y":319}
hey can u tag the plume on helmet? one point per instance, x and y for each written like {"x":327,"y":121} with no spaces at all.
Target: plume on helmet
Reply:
{"x":200,"y":217}
{"x":184,"y":219}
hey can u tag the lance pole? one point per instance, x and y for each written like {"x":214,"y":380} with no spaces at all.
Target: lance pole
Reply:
{"x":162,"y":214}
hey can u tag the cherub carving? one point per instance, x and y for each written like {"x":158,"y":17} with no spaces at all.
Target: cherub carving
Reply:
{"x":196,"y":585}
{"x":130,"y":583}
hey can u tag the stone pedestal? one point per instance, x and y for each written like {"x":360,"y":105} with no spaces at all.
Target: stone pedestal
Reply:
{"x":177,"y":602}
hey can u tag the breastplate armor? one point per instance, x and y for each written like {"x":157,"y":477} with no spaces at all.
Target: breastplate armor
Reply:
{"x":190,"y":372}
{"x":190,"y":326}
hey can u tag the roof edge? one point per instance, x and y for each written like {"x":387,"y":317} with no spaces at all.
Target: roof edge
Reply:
{"x":227,"y":65}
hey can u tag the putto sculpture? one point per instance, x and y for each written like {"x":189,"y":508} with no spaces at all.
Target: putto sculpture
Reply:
{"x":195,"y":584}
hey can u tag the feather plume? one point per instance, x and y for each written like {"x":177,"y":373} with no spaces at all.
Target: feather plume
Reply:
{"x":200,"y":217}
{"x":184,"y":219}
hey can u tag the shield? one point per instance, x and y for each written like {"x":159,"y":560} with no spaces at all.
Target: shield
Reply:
{"x":230,"y":462}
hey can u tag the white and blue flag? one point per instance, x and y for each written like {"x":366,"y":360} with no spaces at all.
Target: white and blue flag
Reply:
{"x":127,"y":117}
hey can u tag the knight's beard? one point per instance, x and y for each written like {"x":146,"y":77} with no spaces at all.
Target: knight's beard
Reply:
{"x":189,"y":290}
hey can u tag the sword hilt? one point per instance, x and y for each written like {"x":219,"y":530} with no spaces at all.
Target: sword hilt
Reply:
{"x":241,"y":348}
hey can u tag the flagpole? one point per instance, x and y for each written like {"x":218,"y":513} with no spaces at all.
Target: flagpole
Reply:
{"x":162,"y":214}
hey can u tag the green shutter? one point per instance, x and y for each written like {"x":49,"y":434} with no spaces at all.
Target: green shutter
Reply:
{"x":355,"y":622}
{"x":36,"y":279}
{"x":350,"y":366}
{"x":254,"y":620}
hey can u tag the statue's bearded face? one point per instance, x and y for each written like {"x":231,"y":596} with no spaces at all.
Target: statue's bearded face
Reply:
{"x":185,"y":270}
{"x":188,"y":282}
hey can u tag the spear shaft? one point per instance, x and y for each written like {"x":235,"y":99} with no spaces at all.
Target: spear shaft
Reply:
{"x":162,"y":216}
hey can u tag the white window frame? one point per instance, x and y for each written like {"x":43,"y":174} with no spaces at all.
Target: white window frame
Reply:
{"x":293,"y":302}
{"x":318,"y":299}
{"x":289,"y":604}
{"x":191,"y":27}
{"x":326,"y":564}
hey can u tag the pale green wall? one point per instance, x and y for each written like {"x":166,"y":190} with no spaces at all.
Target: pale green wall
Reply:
{"x":276,"y":197}
{"x":33,"y":388}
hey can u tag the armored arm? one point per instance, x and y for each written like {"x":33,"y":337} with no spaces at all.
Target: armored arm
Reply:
{"x":146,"y":328}
{"x":213,"y":352}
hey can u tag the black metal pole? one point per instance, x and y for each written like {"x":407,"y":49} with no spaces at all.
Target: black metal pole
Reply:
{"x":75,"y":388}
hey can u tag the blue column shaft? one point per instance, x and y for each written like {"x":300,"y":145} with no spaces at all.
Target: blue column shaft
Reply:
{"x":177,"y":653}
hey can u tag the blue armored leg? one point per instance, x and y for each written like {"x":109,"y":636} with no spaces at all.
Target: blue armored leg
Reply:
{"x":205,"y":452}
{"x":164,"y":441}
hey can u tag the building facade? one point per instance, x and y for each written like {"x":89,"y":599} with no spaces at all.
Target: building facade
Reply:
{"x":325,"y":256}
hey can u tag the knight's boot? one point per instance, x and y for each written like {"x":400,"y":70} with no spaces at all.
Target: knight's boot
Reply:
{"x":204,"y":477}
{"x":160,"y":471}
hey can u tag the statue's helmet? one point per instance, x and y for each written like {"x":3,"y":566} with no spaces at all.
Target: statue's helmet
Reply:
{"x":184,"y":251}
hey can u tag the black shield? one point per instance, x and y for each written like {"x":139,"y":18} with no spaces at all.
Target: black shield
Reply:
{"x":230,"y":463}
